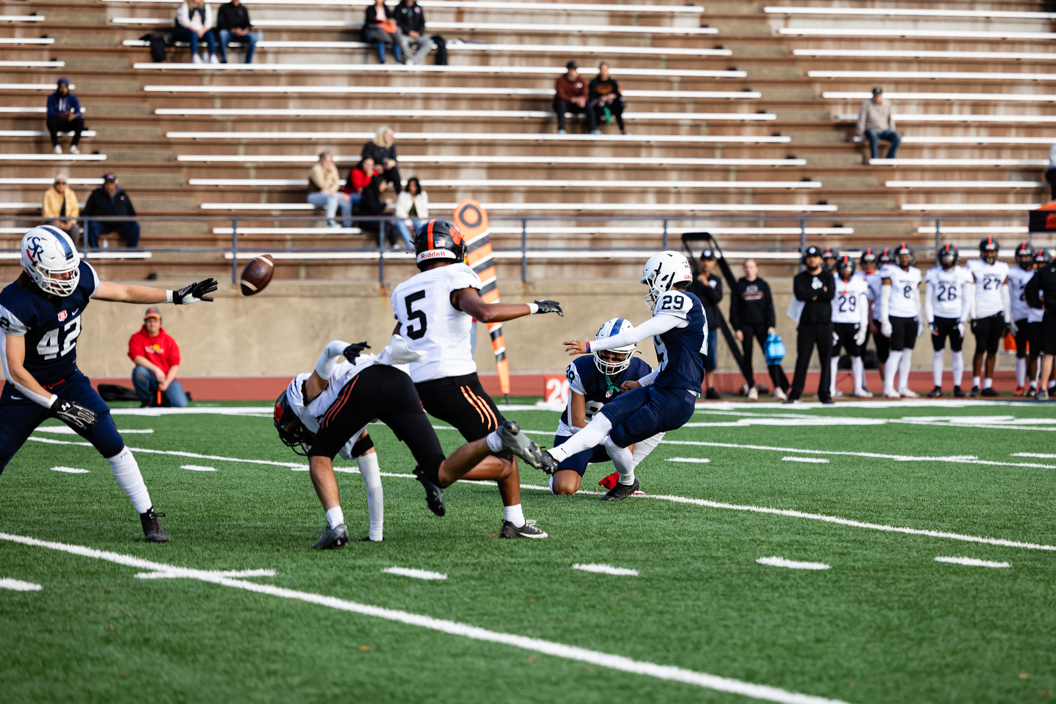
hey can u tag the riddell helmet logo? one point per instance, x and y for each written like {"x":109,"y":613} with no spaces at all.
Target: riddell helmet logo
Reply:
{"x":436,"y":254}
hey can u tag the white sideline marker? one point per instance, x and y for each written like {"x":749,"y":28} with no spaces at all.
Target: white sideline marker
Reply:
{"x":19,"y":586}
{"x":416,"y":574}
{"x":695,"y":460}
{"x":792,"y":564}
{"x":233,"y":573}
{"x":197,"y":468}
{"x":807,"y":460}
{"x":1035,"y":455}
{"x":971,"y":562}
{"x":607,"y":569}
{"x":63,"y":430}
{"x":69,"y":470}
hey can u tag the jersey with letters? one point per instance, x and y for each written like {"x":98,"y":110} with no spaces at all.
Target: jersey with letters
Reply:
{"x":949,"y":290}
{"x":988,"y":280}
{"x":678,"y":350}
{"x":1017,"y":288}
{"x":851,"y":296}
{"x":311,"y":415}
{"x":872,"y":283}
{"x":596,"y":388}
{"x":51,"y":326}
{"x":904,"y":285}
{"x":431,"y":323}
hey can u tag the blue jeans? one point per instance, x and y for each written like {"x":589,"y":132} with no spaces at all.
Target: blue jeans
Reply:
{"x":146,"y":385}
{"x":888,"y":136}
{"x":405,"y":233}
{"x":331,"y":203}
{"x":128,"y":231}
{"x":396,"y":53}
{"x":185,"y":35}
{"x":249,"y":41}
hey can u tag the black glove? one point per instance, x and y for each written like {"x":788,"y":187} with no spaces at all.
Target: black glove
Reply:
{"x":74,"y":414}
{"x":353,"y":350}
{"x":198,"y":291}
{"x":546,"y":306}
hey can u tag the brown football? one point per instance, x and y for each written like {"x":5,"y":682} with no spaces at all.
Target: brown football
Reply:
{"x":257,"y":275}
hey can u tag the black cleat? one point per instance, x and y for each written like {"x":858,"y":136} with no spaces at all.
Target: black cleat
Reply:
{"x":935,"y":393}
{"x":990,"y":392}
{"x":547,"y":463}
{"x":528,"y":530}
{"x":368,"y":540}
{"x":958,"y":392}
{"x":434,"y":495}
{"x":712,"y":395}
{"x":621,"y":491}
{"x":152,"y":529}
{"x":513,"y":440}
{"x":332,"y":538}
{"x":974,"y":392}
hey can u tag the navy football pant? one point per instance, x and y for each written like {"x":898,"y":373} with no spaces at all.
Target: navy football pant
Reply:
{"x":19,"y":417}
{"x":643,"y":412}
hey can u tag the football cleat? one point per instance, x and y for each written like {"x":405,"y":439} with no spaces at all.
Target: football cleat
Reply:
{"x":1042,"y":395}
{"x":518,"y":443}
{"x":790,"y":401}
{"x":152,"y":529}
{"x":935,"y":393}
{"x":621,"y":492}
{"x":528,"y":530}
{"x":892,"y":394}
{"x":906,"y":393}
{"x":753,"y":394}
{"x":332,"y":538}
{"x":547,"y":463}
{"x":434,"y":495}
{"x":989,"y":392}
{"x":1020,"y":390}
{"x":958,"y":392}
{"x":712,"y":395}
{"x":863,"y":393}
{"x":780,"y":395}
{"x":974,"y":392}
{"x":838,"y":394}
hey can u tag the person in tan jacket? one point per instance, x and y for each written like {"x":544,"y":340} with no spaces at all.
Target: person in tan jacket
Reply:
{"x":60,"y":208}
{"x":324,"y":190}
{"x":876,"y":121}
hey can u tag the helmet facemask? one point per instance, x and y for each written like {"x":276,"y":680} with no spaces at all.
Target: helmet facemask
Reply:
{"x":292,"y":432}
{"x":613,"y":362}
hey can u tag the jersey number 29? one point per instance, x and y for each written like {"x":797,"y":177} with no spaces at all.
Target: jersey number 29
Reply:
{"x":48,"y":347}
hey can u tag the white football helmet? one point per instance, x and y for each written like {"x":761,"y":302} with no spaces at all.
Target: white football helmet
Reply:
{"x":50,"y":259}
{"x":619,"y":358}
{"x":663,"y":271}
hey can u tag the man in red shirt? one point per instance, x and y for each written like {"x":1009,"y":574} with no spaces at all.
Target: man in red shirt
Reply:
{"x":157,"y":359}
{"x":570,"y":95}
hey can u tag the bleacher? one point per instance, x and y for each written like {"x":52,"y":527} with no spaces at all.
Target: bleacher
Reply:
{"x":739,"y":116}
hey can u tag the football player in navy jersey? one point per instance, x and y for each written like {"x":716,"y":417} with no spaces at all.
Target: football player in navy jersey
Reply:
{"x":40,"y":317}
{"x":661,"y":400}
{"x":593,"y":382}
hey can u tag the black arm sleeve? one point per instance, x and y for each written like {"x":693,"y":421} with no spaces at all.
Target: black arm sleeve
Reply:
{"x":735,"y":304}
{"x":801,"y":287}
{"x":768,"y":304}
{"x":830,"y":287}
{"x":1030,"y":293}
{"x":718,"y":288}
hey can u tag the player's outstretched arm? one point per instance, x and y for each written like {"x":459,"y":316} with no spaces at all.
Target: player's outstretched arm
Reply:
{"x":14,"y":359}
{"x":657,"y":325}
{"x":468,"y":301}
{"x":130,"y":293}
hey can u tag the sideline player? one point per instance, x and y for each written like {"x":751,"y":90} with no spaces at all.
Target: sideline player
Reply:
{"x":435,"y":310}
{"x":850,"y":318}
{"x":1041,"y":294}
{"x":367,"y":389}
{"x":946,"y":305}
{"x":992,"y":312}
{"x":40,"y":315}
{"x":1018,"y":278}
{"x":871,"y":275}
{"x":829,"y":255}
{"x":1042,"y":258}
{"x":901,"y":319}
{"x":661,"y":400}
{"x":593,"y":382}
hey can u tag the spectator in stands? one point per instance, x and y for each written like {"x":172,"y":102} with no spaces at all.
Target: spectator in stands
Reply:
{"x":814,"y":289}
{"x":110,"y":201}
{"x":752,"y":318}
{"x":382,"y":149}
{"x":410,"y":18}
{"x":606,"y":99}
{"x":61,"y":209}
{"x":708,"y":288}
{"x":412,"y":207}
{"x":358,"y":178}
{"x":876,"y":121}
{"x":64,"y":115}
{"x":194,"y":22}
{"x":1050,"y":172}
{"x":381,"y":30}
{"x":324,"y":190}
{"x":571,"y":95}
{"x":373,"y":204}
{"x":232,"y":22}
{"x":157,"y":359}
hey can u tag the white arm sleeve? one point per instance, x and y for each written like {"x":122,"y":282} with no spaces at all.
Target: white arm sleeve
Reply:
{"x":885,"y":303}
{"x":649,"y":378}
{"x":967,"y":299}
{"x":328,"y":359}
{"x":863,"y":309}
{"x":929,"y":307}
{"x":657,"y":325}
{"x":13,"y":323}
{"x":1006,"y":303}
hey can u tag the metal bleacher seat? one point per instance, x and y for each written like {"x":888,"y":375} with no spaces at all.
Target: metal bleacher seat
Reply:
{"x":959,"y":117}
{"x":637,"y":208}
{"x":934,"y":75}
{"x":580,"y":7}
{"x":611,"y":160}
{"x":971,"y":162}
{"x":915,"y":54}
{"x":933,"y":33}
{"x":458,"y":91}
{"x":943,"y":13}
{"x":484,"y":137}
{"x":484,"y":184}
{"x":556,"y":28}
{"x":386,"y":113}
{"x":973,"y":97}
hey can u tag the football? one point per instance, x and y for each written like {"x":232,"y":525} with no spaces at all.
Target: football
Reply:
{"x":257,"y":275}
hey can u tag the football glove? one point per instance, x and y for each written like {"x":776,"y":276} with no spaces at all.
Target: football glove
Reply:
{"x":74,"y":414}
{"x":960,"y":328}
{"x":198,"y":291}
{"x":886,"y":329}
{"x":920,"y":329}
{"x":1013,"y":328}
{"x":934,"y":328}
{"x":353,"y":350}
{"x":859,"y":337}
{"x":546,"y":306}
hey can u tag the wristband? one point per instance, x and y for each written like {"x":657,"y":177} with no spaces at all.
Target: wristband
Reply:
{"x":168,"y":296}
{"x":588,"y":347}
{"x":52,"y":400}
{"x":533,"y":308}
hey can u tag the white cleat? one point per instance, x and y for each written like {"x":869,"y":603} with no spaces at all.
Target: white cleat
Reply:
{"x":892,"y":394}
{"x":753,"y":394}
{"x":906,"y":393}
{"x":862,"y":393}
{"x":837,"y":394}
{"x":780,"y":395}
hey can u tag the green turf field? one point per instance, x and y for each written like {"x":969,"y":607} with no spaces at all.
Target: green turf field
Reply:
{"x":702,"y":620}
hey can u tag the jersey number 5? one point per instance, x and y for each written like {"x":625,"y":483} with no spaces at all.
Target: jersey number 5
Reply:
{"x":48,"y":347}
{"x":418,"y":315}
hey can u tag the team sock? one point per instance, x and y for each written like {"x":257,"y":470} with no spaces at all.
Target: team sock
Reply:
{"x":623,"y":460}
{"x":937,"y":363}
{"x":514,"y":515}
{"x":835,"y":365}
{"x":335,"y":517}
{"x":988,"y":382}
{"x":1021,"y":371}
{"x":494,"y":441}
{"x":976,"y":380}
{"x":126,"y":471}
{"x":368,"y":467}
{"x":891,"y":370}
{"x":858,"y":369}
{"x":958,"y":368}
{"x":904,"y":366}
{"x":591,"y":436}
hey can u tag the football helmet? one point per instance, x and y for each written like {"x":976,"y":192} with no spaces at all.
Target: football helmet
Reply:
{"x":947,"y":256}
{"x":438,"y":240}
{"x":830,"y":253}
{"x":868,"y":257}
{"x":292,"y":431}
{"x":663,"y":271}
{"x":844,"y":263}
{"x":615,"y":360}
{"x":1025,"y":256}
{"x":904,"y":250}
{"x":50,"y":259}
{"x":989,"y":249}
{"x":1042,"y":257}
{"x":885,"y":256}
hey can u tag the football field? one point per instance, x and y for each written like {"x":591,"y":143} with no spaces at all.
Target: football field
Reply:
{"x":867,"y":552}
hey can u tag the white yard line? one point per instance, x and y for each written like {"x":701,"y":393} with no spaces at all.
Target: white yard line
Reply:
{"x":606,"y":569}
{"x":545,"y":647}
{"x":197,"y":468}
{"x":1036,"y":455}
{"x":19,"y":586}
{"x":413,"y":573}
{"x":807,"y":460}
{"x":971,"y":562}
{"x":69,"y":470}
{"x":217,"y":573}
{"x":64,"y":430}
{"x":791,"y":564}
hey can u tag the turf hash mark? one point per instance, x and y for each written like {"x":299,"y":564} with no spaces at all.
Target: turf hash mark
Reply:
{"x":971,"y":562}
{"x":792,"y":564}
{"x":413,"y":573}
{"x":69,"y":470}
{"x":19,"y":586}
{"x":805,"y":460}
{"x":607,"y":569}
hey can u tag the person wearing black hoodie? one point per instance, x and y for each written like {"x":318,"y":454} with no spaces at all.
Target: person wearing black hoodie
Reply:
{"x":110,"y":201}
{"x":752,"y":319}
{"x":708,"y":288}
{"x":410,"y":18}
{"x":814,"y":288}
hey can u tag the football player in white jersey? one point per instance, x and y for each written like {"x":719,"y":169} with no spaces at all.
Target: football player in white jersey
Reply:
{"x":901,"y":319}
{"x":991,"y":312}
{"x":1018,"y":278}
{"x":871,"y":275}
{"x":947,"y":297}
{"x":435,"y":310}
{"x":850,"y":318}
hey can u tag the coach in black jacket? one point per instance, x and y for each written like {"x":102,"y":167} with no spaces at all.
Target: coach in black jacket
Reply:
{"x":815,"y":288}
{"x":1041,"y":293}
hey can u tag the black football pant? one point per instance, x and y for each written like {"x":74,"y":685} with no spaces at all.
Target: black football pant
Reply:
{"x":813,"y":335}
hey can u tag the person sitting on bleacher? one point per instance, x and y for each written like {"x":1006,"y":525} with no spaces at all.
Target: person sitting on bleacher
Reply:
{"x":411,"y":20}
{"x":64,"y":115}
{"x":194,"y":22}
{"x":571,"y":95}
{"x":60,"y":208}
{"x":876,"y":121}
{"x":1050,"y":171}
{"x":381,"y":30}
{"x":382,"y":149}
{"x":412,"y":208}
{"x":232,"y":22}
{"x":324,"y":190}
{"x":606,"y":98}
{"x":358,"y":178}
{"x":372,"y":204}
{"x":110,"y":201}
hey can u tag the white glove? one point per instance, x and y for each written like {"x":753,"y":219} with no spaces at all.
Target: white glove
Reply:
{"x":961,"y":328}
{"x":1013,"y":328}
{"x":921,"y":326}
{"x":886,"y":329}
{"x":859,"y":337}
